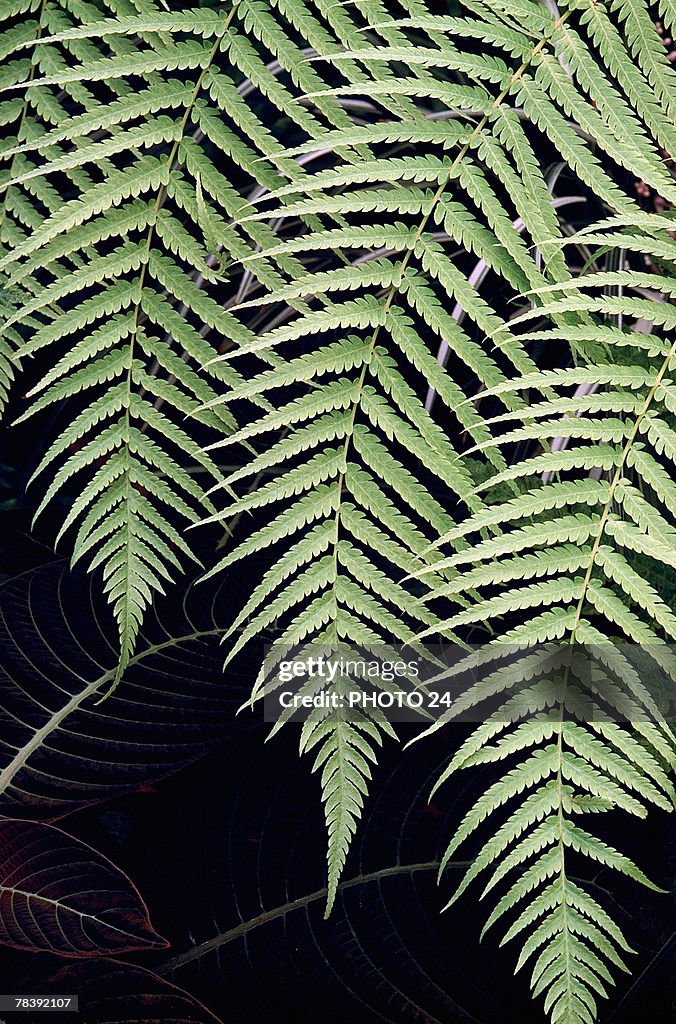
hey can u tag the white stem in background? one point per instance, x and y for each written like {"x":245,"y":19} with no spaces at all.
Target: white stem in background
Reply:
{"x":476,"y":279}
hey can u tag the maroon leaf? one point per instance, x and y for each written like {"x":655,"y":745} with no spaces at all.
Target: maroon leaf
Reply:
{"x":111,"y":992}
{"x":59,"y":895}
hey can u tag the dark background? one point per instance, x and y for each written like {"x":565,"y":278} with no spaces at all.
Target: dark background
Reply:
{"x":240,"y":833}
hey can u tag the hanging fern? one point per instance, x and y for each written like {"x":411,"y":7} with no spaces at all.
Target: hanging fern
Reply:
{"x":601,"y":591}
{"x":371,"y":410}
{"x":125,"y":264}
{"x":262,"y":234}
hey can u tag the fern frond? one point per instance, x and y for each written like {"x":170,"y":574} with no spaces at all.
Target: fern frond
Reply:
{"x":372,"y":392}
{"x":267,"y":212}
{"x":149,"y":215}
{"x":606,"y":594}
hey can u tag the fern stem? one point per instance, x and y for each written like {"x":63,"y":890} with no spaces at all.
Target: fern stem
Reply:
{"x":562,"y":845}
{"x":617,"y":477}
{"x":126,"y":631}
{"x":334,"y":869}
{"x":408,"y":255}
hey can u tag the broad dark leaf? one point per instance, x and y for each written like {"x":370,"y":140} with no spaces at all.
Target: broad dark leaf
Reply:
{"x":111,"y":992}
{"x":60,"y":749}
{"x":253,"y":863}
{"x":59,"y":895}
{"x":250,"y":904}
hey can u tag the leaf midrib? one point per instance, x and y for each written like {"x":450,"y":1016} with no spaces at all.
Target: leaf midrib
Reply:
{"x":35,"y":743}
